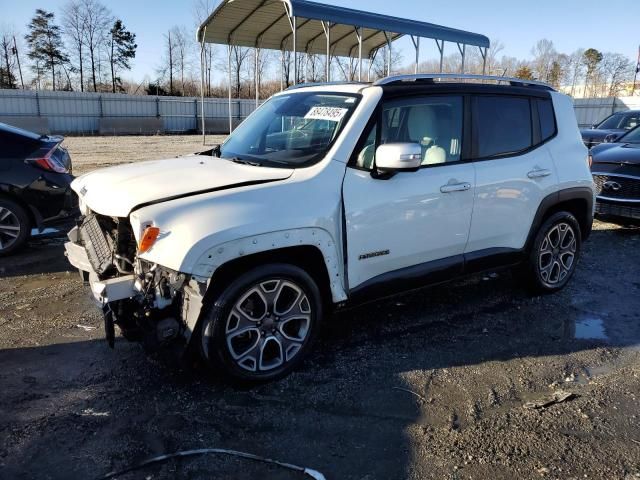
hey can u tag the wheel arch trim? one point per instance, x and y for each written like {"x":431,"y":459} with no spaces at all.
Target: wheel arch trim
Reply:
{"x":215,"y":257}
{"x":553,"y":200}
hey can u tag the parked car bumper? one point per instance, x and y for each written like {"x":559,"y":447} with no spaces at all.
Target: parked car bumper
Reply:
{"x":618,"y":211}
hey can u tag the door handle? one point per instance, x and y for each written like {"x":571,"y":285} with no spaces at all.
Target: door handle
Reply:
{"x":455,"y":187}
{"x":539,"y":173}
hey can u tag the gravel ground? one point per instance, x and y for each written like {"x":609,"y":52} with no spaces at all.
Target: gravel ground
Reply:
{"x":430,"y":384}
{"x":89,"y":153}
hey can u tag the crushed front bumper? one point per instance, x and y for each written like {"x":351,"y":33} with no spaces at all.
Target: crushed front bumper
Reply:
{"x":103,"y":291}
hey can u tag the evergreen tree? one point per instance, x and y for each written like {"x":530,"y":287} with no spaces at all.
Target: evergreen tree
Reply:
{"x":123,"y":50}
{"x":45,"y":44}
{"x":525,"y":73}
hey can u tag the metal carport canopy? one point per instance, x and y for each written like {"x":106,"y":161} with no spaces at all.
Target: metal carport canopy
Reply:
{"x":267,"y":24}
{"x":314,"y":28}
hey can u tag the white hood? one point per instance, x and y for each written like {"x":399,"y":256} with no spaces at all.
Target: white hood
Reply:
{"x":115,"y":191}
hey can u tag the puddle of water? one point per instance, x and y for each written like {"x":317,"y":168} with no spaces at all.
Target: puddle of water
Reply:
{"x":591,"y":328}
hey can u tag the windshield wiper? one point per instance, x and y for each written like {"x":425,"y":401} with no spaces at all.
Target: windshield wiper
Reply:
{"x":245,"y":162}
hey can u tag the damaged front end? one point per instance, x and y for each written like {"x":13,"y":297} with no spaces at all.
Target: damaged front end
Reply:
{"x":149,"y":303}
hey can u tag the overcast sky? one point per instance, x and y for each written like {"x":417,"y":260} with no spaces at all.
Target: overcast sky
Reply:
{"x":613,"y":25}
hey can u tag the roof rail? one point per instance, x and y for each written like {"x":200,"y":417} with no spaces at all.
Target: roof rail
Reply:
{"x":323,"y":84}
{"x":432,"y":77}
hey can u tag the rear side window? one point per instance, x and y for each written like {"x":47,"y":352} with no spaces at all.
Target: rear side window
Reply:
{"x":547,"y":119}
{"x":14,"y":146}
{"x":502,"y":126}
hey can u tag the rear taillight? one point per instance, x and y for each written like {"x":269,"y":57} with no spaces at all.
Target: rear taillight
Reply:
{"x":47,"y":161}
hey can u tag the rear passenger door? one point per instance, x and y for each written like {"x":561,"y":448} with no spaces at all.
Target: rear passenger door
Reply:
{"x":514,"y":169}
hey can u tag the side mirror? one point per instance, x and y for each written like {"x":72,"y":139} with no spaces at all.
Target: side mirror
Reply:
{"x":612,"y":137}
{"x":398,"y":157}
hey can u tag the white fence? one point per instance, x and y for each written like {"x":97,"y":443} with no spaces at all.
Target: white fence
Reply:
{"x":592,"y":110}
{"x":82,"y":112}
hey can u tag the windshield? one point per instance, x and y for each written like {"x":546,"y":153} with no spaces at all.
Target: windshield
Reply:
{"x":621,"y":121}
{"x":292,"y":130}
{"x":611,"y":123}
{"x":631,"y":137}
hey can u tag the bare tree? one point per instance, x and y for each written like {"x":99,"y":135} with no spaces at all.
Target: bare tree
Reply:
{"x":574,"y":69}
{"x":181,"y":53}
{"x":9,"y":59}
{"x":74,"y":23}
{"x":201,"y":10}
{"x":616,"y":71}
{"x":544,"y":54}
{"x":97,"y":20}
{"x":380,"y":63}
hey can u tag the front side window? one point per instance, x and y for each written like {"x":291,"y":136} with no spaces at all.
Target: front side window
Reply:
{"x":291,"y":130}
{"x":502,"y":126}
{"x":435,"y":123}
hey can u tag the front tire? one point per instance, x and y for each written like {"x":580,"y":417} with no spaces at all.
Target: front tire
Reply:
{"x":263,"y":324}
{"x":555,"y":253}
{"x":15,"y":227}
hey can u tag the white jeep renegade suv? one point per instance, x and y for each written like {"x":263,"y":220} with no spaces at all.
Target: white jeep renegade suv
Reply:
{"x":330,"y":195}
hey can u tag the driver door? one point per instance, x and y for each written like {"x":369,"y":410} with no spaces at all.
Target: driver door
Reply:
{"x":413,"y":226}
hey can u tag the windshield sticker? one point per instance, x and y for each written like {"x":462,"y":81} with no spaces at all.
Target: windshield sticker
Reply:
{"x":332,"y":114}
{"x":350,"y":100}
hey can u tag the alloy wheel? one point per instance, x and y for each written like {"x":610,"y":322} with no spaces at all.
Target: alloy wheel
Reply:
{"x":268,"y":325}
{"x":9,"y":228}
{"x":557,"y":253}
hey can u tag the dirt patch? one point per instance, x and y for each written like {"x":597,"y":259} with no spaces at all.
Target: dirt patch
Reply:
{"x":89,"y":153}
{"x":427,"y":385}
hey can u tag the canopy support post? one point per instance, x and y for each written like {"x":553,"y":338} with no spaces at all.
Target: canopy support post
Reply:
{"x":281,"y":70}
{"x":372,"y":57}
{"x":416,"y":44}
{"x":202,"y":59}
{"x":462,"y":50}
{"x":441,"y":50}
{"x":386,"y":36}
{"x":256,"y":75}
{"x":327,"y":33}
{"x":229,"y":68}
{"x":295,"y":53}
{"x":359,"y":36}
{"x":483,"y":52}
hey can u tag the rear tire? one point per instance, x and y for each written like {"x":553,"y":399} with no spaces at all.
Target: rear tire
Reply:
{"x":15,"y":227}
{"x":554,"y":253}
{"x":261,"y":326}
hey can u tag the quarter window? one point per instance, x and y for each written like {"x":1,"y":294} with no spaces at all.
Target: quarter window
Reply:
{"x":502,"y":126}
{"x":547,"y":119}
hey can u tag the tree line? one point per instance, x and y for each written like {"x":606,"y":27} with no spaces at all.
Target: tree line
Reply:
{"x":90,"y":49}
{"x":87,"y":51}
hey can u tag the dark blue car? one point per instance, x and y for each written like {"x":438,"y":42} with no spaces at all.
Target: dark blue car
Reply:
{"x":614,"y":125}
{"x":615,"y":167}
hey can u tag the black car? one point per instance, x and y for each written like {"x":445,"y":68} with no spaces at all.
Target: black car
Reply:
{"x":616,"y":173}
{"x":613,"y":127}
{"x":35,"y":178}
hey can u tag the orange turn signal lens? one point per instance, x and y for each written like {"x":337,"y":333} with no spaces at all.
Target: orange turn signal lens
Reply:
{"x":590,"y":160}
{"x":149,"y":237}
